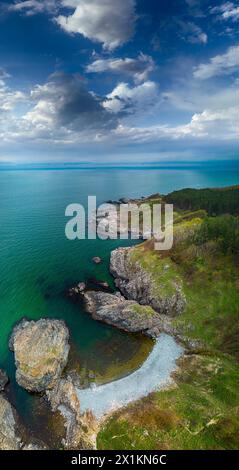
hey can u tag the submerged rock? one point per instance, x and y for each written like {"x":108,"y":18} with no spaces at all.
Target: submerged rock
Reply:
{"x":3,"y":380}
{"x":81,"y":429}
{"x":41,"y":351}
{"x":9,"y":437}
{"x":97,"y":260}
{"x":127,"y":315}
{"x":137,"y":283}
{"x":96,"y":283}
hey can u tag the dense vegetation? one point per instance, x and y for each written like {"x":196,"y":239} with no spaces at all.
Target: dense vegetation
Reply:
{"x":214,"y":201}
{"x":223,"y":229}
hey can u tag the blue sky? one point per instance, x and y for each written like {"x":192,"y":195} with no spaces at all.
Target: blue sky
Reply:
{"x":119,"y":80}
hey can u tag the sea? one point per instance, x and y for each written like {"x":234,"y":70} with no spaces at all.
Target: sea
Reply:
{"x":38,"y":264}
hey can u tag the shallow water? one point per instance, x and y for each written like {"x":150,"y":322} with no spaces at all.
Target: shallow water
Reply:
{"x":153,"y":375}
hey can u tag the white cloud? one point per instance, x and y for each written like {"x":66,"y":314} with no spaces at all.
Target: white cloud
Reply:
{"x":209,"y":125}
{"x":219,"y":65}
{"x":33,"y":7}
{"x":8,"y":98}
{"x":65,"y":102}
{"x":227,"y":11}
{"x":108,"y":22}
{"x":128,"y":99}
{"x":138,"y":68}
{"x":61,"y":110}
{"x":192,"y":33}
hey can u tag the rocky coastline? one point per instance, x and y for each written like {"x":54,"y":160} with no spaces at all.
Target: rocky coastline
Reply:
{"x":41,"y":348}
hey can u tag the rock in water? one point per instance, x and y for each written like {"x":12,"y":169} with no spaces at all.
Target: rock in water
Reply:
{"x":41,"y":351}
{"x":97,"y":260}
{"x":79,"y":289}
{"x":127,"y":315}
{"x":3,"y":380}
{"x":9,"y":439}
{"x":137,"y":283}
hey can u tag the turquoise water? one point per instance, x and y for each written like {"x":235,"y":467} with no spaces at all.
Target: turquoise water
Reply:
{"x":38,"y":263}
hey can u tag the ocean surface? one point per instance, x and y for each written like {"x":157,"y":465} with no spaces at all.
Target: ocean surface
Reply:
{"x":38,"y":264}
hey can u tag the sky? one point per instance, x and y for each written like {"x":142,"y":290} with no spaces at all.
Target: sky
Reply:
{"x":119,"y":80}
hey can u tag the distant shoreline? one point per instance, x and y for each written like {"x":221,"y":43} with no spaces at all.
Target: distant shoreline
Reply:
{"x":184,"y":165}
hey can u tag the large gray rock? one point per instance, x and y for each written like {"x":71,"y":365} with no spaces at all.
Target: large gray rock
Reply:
{"x":9,"y":438}
{"x":127,"y":315}
{"x":41,"y":351}
{"x":137,"y":283}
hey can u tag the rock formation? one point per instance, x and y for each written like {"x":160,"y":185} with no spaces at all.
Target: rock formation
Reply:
{"x":79,"y":289}
{"x":9,"y":437}
{"x":3,"y":380}
{"x":136,"y":283}
{"x":127,"y":315}
{"x":81,"y":429}
{"x":41,"y":351}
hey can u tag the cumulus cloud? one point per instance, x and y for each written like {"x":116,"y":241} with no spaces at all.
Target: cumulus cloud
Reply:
{"x":33,"y":7}
{"x":219,"y":65}
{"x":105,"y":21}
{"x":138,"y":68}
{"x":65,"y":101}
{"x":62,"y":110}
{"x":126,"y":99}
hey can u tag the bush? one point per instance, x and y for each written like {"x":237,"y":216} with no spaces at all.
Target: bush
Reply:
{"x":224,"y":229}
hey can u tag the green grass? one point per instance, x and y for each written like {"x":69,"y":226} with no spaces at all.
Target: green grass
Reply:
{"x":163,"y":271}
{"x":143,"y":310}
{"x":202,"y":410}
{"x":201,"y":413}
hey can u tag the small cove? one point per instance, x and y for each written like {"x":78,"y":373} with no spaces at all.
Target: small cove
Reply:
{"x":153,"y":375}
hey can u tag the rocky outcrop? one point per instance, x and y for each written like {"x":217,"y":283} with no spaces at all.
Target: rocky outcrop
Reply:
{"x":41,"y":351}
{"x":81,"y":429}
{"x":79,"y":289}
{"x":9,"y":437}
{"x":3,"y":380}
{"x":127,"y":315}
{"x":136,"y":283}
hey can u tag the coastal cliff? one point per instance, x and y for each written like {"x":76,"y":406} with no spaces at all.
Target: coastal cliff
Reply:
{"x":159,"y":290}
{"x":202,"y":410}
